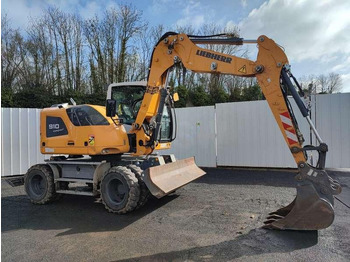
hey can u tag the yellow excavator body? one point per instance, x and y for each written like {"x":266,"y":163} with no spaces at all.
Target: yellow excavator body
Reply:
{"x":127,"y":170}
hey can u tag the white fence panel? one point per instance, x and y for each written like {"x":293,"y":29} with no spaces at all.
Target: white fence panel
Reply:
{"x":248,"y":135}
{"x":20,"y":138}
{"x":232,"y":134}
{"x":333,"y":124}
{"x":195,"y":135}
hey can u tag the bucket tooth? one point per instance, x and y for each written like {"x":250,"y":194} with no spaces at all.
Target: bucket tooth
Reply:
{"x":269,"y":221}
{"x":284,"y":210}
{"x":275,"y":217}
{"x":270,"y":226}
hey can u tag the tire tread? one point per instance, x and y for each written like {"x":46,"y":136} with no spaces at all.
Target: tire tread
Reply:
{"x":51,"y":194}
{"x":144,"y":192}
{"x":134,"y":190}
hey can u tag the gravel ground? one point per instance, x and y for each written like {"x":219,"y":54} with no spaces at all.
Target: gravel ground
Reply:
{"x":216,"y":218}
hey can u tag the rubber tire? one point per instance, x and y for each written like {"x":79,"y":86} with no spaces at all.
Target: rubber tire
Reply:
{"x":49,"y":194}
{"x":128,"y":178}
{"x":144,"y":192}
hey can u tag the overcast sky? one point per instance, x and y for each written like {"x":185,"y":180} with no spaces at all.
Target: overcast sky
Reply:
{"x":314,"y":33}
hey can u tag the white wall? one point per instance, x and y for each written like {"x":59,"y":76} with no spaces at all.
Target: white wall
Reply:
{"x":195,"y":136}
{"x":333,"y":124}
{"x":20,"y":139}
{"x":230,"y":134}
{"x":248,"y":136}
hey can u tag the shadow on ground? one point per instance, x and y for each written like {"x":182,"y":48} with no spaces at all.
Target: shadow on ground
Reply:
{"x":270,"y":177}
{"x":79,"y":214}
{"x":275,"y":178}
{"x":255,"y":242}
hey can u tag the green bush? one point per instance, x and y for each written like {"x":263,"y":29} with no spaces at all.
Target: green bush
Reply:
{"x":183,"y":96}
{"x":199,"y":97}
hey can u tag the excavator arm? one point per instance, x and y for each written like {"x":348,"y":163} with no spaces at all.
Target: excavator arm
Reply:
{"x":180,"y":48}
{"x":313,"y":206}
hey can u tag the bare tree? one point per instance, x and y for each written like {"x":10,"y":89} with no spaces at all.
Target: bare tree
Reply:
{"x":60,"y":52}
{"x":129,"y":24}
{"x":11,"y":57}
{"x":50,"y":20}
{"x":211,"y":81}
{"x":328,"y":84}
{"x":92,"y":33}
{"x":76,"y":52}
{"x":334,"y":83}
{"x":322,"y":82}
{"x":109,"y":29}
{"x":145,"y":42}
{"x":102,"y":38}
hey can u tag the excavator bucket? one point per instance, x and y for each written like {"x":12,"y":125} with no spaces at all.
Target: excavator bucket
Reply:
{"x":164,"y":179}
{"x":312,"y":209}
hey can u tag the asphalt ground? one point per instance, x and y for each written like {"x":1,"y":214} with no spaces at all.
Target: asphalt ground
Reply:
{"x":216,"y":218}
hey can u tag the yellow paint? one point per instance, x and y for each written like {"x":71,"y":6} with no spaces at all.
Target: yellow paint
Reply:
{"x":176,"y":97}
{"x":270,"y":57}
{"x":105,"y":137}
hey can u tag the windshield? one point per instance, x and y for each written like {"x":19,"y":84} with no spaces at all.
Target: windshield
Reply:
{"x":129,"y":99}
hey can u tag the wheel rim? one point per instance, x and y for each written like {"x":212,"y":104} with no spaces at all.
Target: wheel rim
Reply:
{"x":38,"y":185}
{"x":116,"y":191}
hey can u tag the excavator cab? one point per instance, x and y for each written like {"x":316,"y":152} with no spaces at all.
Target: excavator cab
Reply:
{"x":126,"y":99}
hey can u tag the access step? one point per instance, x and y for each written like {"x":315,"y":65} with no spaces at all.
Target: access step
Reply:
{"x":75,"y":192}
{"x":73,"y":180}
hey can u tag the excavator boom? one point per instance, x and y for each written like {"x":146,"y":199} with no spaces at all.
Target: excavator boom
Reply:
{"x":312,"y":208}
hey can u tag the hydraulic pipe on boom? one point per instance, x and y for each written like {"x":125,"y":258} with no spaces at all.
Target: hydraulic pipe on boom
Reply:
{"x":312,"y":208}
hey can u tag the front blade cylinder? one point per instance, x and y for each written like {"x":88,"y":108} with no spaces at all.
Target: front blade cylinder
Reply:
{"x":164,"y":179}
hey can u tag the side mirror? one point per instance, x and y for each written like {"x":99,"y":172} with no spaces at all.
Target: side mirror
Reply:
{"x":176,"y":97}
{"x":111,"y":106}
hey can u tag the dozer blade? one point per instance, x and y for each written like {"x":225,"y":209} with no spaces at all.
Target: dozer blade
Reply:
{"x":164,"y":179}
{"x":312,"y":209}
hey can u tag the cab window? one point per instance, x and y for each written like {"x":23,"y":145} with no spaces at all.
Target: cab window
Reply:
{"x":86,"y":116}
{"x":166,"y":124}
{"x":129,"y":99}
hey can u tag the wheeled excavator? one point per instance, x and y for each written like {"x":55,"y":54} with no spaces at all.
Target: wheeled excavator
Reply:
{"x":111,"y":149}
